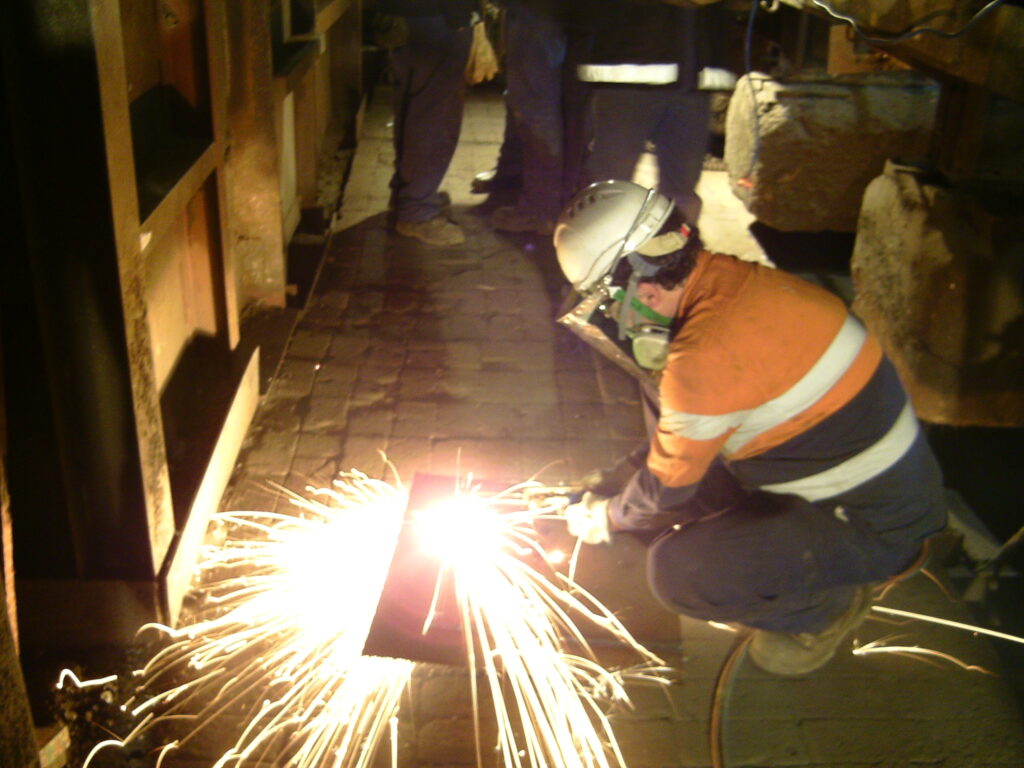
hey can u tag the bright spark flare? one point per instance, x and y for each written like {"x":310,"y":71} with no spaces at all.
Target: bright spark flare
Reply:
{"x":287,"y":604}
{"x":288,"y":600}
{"x":879,"y":646}
{"x":67,"y":675}
{"x":948,"y":623}
{"x":522,"y":623}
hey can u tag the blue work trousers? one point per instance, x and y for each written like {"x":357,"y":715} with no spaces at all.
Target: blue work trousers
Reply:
{"x":675,"y":120}
{"x":772,"y":562}
{"x":429,"y":90}
{"x":535,"y":49}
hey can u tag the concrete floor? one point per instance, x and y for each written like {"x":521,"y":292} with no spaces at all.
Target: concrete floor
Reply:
{"x":449,"y":361}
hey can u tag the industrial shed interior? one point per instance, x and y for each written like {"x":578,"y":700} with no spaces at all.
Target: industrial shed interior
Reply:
{"x":203,"y":309}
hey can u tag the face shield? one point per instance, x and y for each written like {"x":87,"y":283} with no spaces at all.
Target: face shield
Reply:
{"x":611,"y":319}
{"x":590,"y":317}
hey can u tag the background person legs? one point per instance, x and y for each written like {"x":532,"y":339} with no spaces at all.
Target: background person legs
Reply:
{"x":680,"y":140}
{"x":535,"y":42}
{"x":625,"y":119}
{"x":622,"y":121}
{"x":507,"y":174}
{"x":429,"y":73}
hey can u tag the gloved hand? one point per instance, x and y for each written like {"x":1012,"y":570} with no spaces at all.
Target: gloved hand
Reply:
{"x":588,"y":519}
{"x":609,"y":481}
{"x":482,"y":63}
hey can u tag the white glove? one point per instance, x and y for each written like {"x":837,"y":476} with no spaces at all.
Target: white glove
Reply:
{"x":588,"y":519}
{"x":609,"y":481}
{"x":482,"y":63}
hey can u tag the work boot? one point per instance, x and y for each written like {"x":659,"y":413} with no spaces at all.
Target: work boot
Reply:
{"x":782,"y":653}
{"x":486,"y":182}
{"x":436,"y":231}
{"x":444,"y":198}
{"x":509,"y":218}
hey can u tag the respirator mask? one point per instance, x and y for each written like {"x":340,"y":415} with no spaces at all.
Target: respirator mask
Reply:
{"x":614,"y":321}
{"x":647,"y":331}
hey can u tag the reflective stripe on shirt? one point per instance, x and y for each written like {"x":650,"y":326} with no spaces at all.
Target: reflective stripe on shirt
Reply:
{"x":694,"y":426}
{"x":858,"y":469}
{"x":822,"y":376}
{"x":639,"y":74}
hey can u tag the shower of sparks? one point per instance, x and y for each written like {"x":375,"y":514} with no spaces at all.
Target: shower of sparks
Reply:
{"x":286,"y":604}
{"x":879,"y":646}
{"x":518,"y":625}
{"x":948,"y":623}
{"x":278,"y":644}
{"x":722,"y":626}
{"x":67,"y":675}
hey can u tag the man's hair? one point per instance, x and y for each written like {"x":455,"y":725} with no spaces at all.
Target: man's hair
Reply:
{"x":677,"y":265}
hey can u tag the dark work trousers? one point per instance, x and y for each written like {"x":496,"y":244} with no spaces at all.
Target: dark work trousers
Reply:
{"x":674,"y":120}
{"x":763,"y":560}
{"x":429,"y":72}
{"x":510,"y":156}
{"x":535,"y":45}
{"x":772,"y":562}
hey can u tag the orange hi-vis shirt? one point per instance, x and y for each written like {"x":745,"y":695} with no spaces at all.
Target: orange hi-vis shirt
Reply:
{"x":774,"y":376}
{"x":750,"y":336}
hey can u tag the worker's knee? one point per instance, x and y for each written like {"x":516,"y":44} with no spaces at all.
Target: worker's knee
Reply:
{"x":683,"y":576}
{"x":735,"y":564}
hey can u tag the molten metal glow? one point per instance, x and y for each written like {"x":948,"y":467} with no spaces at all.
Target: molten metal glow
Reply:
{"x":286,"y":603}
{"x":519,"y":626}
{"x":464,"y":532}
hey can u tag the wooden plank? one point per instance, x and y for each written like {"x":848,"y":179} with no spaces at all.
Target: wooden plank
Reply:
{"x":202,"y":260}
{"x":175,"y":201}
{"x":250,"y":178}
{"x":183,"y":59}
{"x":167,"y":302}
{"x":328,"y":14}
{"x":216,"y":37}
{"x":106,"y":25}
{"x":989,"y":54}
{"x":177,"y":575}
{"x":346,"y":68}
{"x":141,"y":44}
{"x":307,"y":139}
{"x":54,"y":746}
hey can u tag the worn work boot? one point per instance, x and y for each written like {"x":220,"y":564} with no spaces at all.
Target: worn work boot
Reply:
{"x":486,"y":182}
{"x":436,"y":231}
{"x":797,"y":654}
{"x":509,"y":218}
{"x":443,"y":197}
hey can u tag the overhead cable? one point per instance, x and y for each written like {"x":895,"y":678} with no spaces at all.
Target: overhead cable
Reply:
{"x":913,"y":30}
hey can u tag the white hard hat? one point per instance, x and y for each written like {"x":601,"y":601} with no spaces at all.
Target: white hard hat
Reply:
{"x":605,"y":221}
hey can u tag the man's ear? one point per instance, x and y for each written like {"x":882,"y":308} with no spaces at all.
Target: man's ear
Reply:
{"x":650,"y":291}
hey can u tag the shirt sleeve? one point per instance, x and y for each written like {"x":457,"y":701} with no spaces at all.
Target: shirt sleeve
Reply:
{"x":702,"y":399}
{"x":647,"y":504}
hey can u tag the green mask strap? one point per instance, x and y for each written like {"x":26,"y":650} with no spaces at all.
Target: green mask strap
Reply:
{"x":641,"y":308}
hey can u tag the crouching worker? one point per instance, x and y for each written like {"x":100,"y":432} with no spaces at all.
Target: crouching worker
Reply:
{"x":786,"y":471}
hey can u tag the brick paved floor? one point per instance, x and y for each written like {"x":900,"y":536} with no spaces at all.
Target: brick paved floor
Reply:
{"x":448,"y":361}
